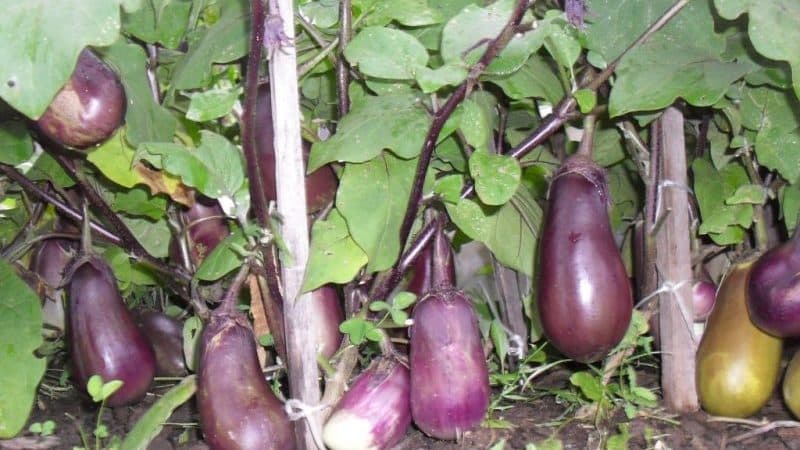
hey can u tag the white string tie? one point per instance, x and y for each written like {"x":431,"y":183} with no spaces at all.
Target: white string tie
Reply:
{"x":674,"y":289}
{"x":668,"y":184}
{"x":296,"y":410}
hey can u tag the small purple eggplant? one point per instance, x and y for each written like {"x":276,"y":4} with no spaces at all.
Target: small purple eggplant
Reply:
{"x":49,"y":261}
{"x":773,"y":290}
{"x":449,"y":376}
{"x":165,"y":335}
{"x":704,"y":293}
{"x":584,"y":295}
{"x":330,"y":314}
{"x":103,"y":337}
{"x":206,"y":227}
{"x":89,"y":108}
{"x":238,"y":410}
{"x":374,"y":413}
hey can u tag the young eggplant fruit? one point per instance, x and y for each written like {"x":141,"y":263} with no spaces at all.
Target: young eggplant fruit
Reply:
{"x":791,"y":385}
{"x":374,"y":413}
{"x":89,"y":108}
{"x":737,"y":363}
{"x":449,"y":377}
{"x":773,"y":292}
{"x":49,"y":261}
{"x":165,"y":335}
{"x":584,"y":295}
{"x":206,"y":227}
{"x":238,"y":410}
{"x":704,"y":293}
{"x":103,"y":337}
{"x":330,"y":315}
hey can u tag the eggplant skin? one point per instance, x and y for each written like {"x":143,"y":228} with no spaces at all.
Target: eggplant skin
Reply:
{"x":791,"y":385}
{"x":374,"y":413}
{"x":238,"y":410}
{"x":103,"y":337}
{"x":331,"y":314}
{"x":738,"y":364}
{"x":165,"y":335}
{"x":773,"y":290}
{"x":584,"y":294}
{"x":89,"y":108}
{"x":449,"y":377}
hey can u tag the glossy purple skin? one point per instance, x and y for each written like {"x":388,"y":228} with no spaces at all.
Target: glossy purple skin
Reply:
{"x":321,"y":184}
{"x":449,"y":377}
{"x":704,"y":294}
{"x":206,"y":227}
{"x":379,"y":395}
{"x":584,"y":295}
{"x":89,"y":108}
{"x":773,"y":290}
{"x":165,"y":335}
{"x":238,"y":410}
{"x":330,"y":316}
{"x":103,"y":337}
{"x":434,"y":267}
{"x":49,"y":261}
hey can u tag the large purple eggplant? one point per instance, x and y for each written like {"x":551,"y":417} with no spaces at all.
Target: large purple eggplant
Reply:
{"x":773,"y":290}
{"x":449,"y":377}
{"x":374,"y":413}
{"x":330,"y":316}
{"x":165,"y":335}
{"x":584,"y":295}
{"x":89,"y":108}
{"x":238,"y":410}
{"x":103,"y":337}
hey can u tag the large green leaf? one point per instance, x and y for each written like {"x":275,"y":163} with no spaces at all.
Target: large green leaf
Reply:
{"x":145,"y":120}
{"x":41,"y":43}
{"x":159,"y":21}
{"x":373,"y":197}
{"x":334,"y":257}
{"x":16,"y":145}
{"x":395,"y":122}
{"x":225,"y":41}
{"x":386,"y":53}
{"x":20,"y":335}
{"x":724,"y":223}
{"x":772,"y":28}
{"x":682,"y":60}
{"x":412,"y":13}
{"x":154,"y":235}
{"x":535,"y":79}
{"x":496,"y":177}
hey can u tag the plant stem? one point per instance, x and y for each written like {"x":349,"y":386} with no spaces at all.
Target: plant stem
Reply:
{"x":228,"y":304}
{"x":587,"y":141}
{"x":342,"y":68}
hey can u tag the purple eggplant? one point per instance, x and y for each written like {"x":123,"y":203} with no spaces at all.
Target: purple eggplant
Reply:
{"x":449,"y":376}
{"x":206,"y":227}
{"x":49,"y":261}
{"x":330,"y":315}
{"x":89,"y":108}
{"x":103,"y":337}
{"x":374,"y":413}
{"x":584,"y":295}
{"x":704,"y":293}
{"x":165,"y":335}
{"x":434,"y":267}
{"x":238,"y":410}
{"x":773,"y":290}
{"x":320,"y":185}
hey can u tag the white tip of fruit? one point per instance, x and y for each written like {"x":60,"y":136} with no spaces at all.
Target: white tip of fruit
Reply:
{"x":346,"y":431}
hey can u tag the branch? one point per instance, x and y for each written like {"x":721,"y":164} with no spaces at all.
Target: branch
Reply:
{"x":342,"y":68}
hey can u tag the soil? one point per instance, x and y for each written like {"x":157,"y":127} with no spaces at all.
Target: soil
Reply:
{"x":532,"y":422}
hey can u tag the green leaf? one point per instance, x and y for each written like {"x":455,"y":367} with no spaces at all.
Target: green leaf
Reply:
{"x":20,"y":335}
{"x":404,"y":299}
{"x":395,"y":122}
{"x":225,"y":41}
{"x":790,"y":206}
{"x":496,"y":177}
{"x":16,"y":145}
{"x":212,"y":104}
{"x":46,"y":168}
{"x":449,"y":187}
{"x":216,"y":168}
{"x":551,"y":443}
{"x":683,"y":59}
{"x":589,"y":384}
{"x":475,"y":124}
{"x":724,"y":223}
{"x":224,"y":259}
{"x":499,"y":339}
{"x":151,"y":422}
{"x":334,"y":257}
{"x":139,"y":202}
{"x":378,"y":305}
{"x":587,"y":100}
{"x":109,"y":388}
{"x":94,"y":387}
{"x":779,"y":150}
{"x":321,"y":13}
{"x":748,"y":193}
{"x":609,"y":147}
{"x":412,"y":13}
{"x":772,"y":28}
{"x":127,"y":271}
{"x":469,"y":32}
{"x":534,"y":79}
{"x":145,"y":119}
{"x":153,"y":235}
{"x":619,"y":441}
{"x":358,"y":330}
{"x":384,"y":184}
{"x":509,"y":231}
{"x":386,"y":53}
{"x":430,"y":80}
{"x":192,"y":331}
{"x":41,"y":44}
{"x":562,"y":42}
{"x":159,"y":21}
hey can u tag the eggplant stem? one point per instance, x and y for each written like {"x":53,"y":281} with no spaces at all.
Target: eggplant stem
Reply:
{"x":229,"y":300}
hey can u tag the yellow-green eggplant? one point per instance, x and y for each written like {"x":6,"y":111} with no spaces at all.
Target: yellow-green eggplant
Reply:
{"x":791,"y":385}
{"x":737,"y":363}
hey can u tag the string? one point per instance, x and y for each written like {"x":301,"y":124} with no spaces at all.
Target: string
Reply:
{"x":660,"y":188}
{"x":297,"y":409}
{"x":674,"y":289}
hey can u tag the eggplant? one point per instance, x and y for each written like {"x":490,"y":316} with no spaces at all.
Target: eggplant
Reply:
{"x":206,"y":227}
{"x":165,"y":335}
{"x":773,"y":292}
{"x":49,"y":261}
{"x":737,"y":363}
{"x":330,"y":315}
{"x":374,"y":414}
{"x":238,"y":410}
{"x":584,"y":294}
{"x":321,"y":184}
{"x":89,"y":108}
{"x":434,"y":266}
{"x":791,"y":385}
{"x":103,"y":337}
{"x":704,"y":293}
{"x":449,"y":377}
